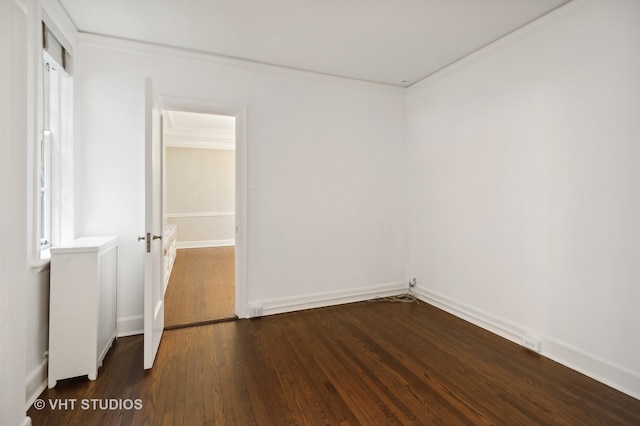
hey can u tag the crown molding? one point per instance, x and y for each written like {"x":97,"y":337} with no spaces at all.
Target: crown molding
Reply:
{"x":507,"y":41}
{"x":200,"y":142}
{"x":164,"y":51}
{"x":207,"y":137}
{"x":199,"y":133}
{"x":203,"y":214}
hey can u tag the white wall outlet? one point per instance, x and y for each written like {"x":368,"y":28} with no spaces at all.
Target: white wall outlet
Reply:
{"x":255,"y":311}
{"x":532,"y":343}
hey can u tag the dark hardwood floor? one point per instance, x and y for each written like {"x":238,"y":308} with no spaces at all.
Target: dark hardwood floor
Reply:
{"x":201,"y":287}
{"x":370,"y":363}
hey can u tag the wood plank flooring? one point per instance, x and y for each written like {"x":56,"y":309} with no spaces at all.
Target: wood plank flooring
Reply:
{"x":369,"y":363}
{"x":201,"y":287}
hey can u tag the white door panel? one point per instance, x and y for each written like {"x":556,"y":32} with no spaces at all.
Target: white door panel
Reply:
{"x":153,"y":268}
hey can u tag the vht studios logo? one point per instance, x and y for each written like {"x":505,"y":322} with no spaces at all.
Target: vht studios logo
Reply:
{"x":88,"y":404}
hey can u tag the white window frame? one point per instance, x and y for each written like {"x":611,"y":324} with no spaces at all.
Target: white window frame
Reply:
{"x":55,"y":159}
{"x":45,"y":202}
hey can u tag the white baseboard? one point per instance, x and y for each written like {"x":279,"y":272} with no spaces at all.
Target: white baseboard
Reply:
{"x":26,"y":421}
{"x":617,"y":377}
{"x":492,"y":323}
{"x":36,"y":383}
{"x":130,"y":326}
{"x":319,"y":300}
{"x":204,"y":244}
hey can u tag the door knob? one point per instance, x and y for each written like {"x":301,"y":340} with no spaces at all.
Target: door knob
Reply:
{"x":141,"y":238}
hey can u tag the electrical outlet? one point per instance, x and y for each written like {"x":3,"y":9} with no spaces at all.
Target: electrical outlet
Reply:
{"x":532,"y":343}
{"x":255,"y":311}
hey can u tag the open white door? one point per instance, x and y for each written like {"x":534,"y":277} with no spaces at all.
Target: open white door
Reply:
{"x":153,"y":267}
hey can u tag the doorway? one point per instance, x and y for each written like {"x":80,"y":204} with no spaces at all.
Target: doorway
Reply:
{"x":200,"y":217}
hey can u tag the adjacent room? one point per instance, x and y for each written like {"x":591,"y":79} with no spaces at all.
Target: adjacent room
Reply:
{"x":199,"y":194}
{"x":371,"y":212}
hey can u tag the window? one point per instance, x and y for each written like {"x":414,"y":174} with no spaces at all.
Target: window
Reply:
{"x":54,"y":151}
{"x":45,"y":176}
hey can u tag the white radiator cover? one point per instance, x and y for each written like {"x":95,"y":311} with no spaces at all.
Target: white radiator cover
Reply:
{"x":82,"y":313}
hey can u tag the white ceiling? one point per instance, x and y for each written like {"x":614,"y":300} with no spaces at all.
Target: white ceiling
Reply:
{"x":195,"y":130}
{"x":390,"y":41}
{"x":180,"y":120}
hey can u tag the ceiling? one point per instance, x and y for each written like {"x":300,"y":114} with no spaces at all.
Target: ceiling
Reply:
{"x":395,"y":42}
{"x":179,"y":121}
{"x":195,"y":130}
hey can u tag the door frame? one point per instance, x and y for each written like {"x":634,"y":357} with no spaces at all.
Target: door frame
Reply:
{"x":240,"y":114}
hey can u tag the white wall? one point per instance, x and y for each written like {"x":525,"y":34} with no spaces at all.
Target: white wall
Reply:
{"x":34,"y":317}
{"x":325,"y":165}
{"x":524,"y":187}
{"x":13,"y":184}
{"x":200,"y":195}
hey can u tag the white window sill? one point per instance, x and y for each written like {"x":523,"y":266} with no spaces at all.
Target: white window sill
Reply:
{"x":41,"y":264}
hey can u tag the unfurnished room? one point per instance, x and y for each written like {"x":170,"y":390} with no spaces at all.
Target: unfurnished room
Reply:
{"x":309,"y":212}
